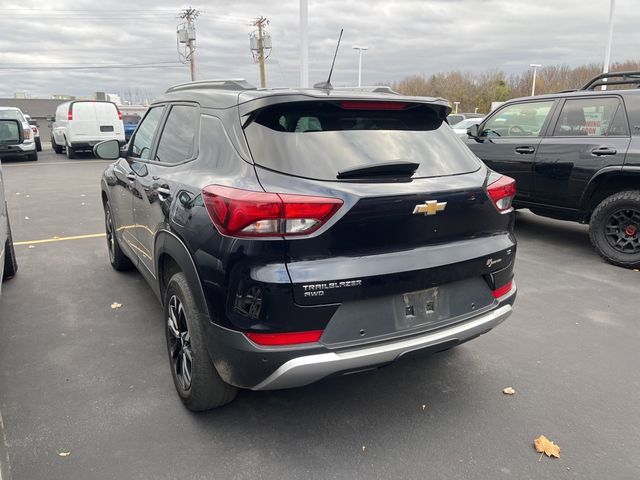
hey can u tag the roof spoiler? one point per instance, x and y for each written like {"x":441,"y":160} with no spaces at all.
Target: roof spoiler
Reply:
{"x":613,"y":78}
{"x":220,"y":84}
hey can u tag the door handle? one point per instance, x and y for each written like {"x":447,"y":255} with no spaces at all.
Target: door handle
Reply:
{"x":131,"y":177}
{"x":525,"y":150}
{"x":602,"y":151}
{"x":163,"y":192}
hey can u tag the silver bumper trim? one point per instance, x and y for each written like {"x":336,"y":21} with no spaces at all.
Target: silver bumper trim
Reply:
{"x":308,"y":369}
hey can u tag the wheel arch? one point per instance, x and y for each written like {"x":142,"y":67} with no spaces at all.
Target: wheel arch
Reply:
{"x":606,"y":182}
{"x":172,"y":256}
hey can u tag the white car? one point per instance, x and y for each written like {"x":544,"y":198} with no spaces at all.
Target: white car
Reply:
{"x":35,"y":130}
{"x":27,"y":148}
{"x":461,"y":128}
{"x":80,"y":124}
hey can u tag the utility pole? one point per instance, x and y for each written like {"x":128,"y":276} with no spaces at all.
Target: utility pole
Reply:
{"x":607,"y":52}
{"x":261,"y":23}
{"x":535,"y":67}
{"x":304,"y":43}
{"x":187,"y":35}
{"x":360,"y":49}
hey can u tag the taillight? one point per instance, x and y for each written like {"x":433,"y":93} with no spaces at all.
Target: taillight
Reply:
{"x":70,"y":112}
{"x":289,"y":338}
{"x":501,"y":192}
{"x":245,"y":213}
{"x":503,"y":290}
{"x":27,"y":133}
{"x":119,"y":114}
{"x":34,"y":130}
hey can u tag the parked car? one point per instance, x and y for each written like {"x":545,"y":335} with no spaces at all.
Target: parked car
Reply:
{"x":12,"y":148}
{"x":8,"y":264}
{"x":291,"y":242}
{"x":575,"y":156}
{"x":130,"y":121}
{"x":455,"y":118}
{"x":461,"y":128}
{"x":81,"y":124}
{"x":36,"y":131}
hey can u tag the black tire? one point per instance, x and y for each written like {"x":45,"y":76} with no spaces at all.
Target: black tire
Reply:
{"x":56,"y":148}
{"x":10,"y":264}
{"x":197,"y":381}
{"x":71,"y":153}
{"x":614,"y":229}
{"x":38,"y":144}
{"x":119,"y":261}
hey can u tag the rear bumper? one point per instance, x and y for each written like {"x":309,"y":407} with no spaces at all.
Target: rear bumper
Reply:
{"x":245,"y":364}
{"x":89,"y":144}
{"x":308,"y":369}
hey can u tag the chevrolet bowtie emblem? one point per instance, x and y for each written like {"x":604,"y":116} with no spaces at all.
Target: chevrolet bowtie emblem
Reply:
{"x":430,"y":207}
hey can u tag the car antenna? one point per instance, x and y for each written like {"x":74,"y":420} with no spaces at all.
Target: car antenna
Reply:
{"x":327,"y":85}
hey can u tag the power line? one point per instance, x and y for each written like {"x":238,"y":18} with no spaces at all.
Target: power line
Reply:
{"x":94,"y":67}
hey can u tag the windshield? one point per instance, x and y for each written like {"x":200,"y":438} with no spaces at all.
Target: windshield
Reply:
{"x":464,"y":124}
{"x":11,"y":115}
{"x":319,"y":139}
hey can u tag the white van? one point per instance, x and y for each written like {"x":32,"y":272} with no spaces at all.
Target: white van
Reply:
{"x":80,"y":124}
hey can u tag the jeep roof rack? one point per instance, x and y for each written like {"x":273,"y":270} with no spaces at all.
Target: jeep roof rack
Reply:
{"x":623,"y":78}
{"x":221,"y":84}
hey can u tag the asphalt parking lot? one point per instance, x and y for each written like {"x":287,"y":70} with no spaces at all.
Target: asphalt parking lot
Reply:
{"x":78,"y":376}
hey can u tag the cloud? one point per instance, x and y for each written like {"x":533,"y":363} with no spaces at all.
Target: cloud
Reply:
{"x":404,"y":38}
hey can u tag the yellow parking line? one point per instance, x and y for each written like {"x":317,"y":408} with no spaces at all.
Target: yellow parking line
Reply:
{"x":61,"y":239}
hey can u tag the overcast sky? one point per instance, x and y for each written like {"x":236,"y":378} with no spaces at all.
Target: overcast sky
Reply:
{"x":404,"y":38}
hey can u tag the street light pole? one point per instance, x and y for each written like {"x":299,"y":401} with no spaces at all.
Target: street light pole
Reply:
{"x":607,"y":52}
{"x":360,"y":49}
{"x":535,"y":71}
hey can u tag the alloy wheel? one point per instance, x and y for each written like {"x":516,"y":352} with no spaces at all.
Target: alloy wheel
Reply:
{"x":179,"y":343}
{"x":622,"y":230}
{"x":110,"y":233}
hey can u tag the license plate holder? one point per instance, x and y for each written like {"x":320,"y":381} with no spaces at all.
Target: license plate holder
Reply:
{"x":417,"y":308}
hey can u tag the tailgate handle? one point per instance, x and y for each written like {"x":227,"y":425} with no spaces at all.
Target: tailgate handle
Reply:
{"x":601,"y":151}
{"x":525,"y":150}
{"x":131,"y":177}
{"x":163,"y":192}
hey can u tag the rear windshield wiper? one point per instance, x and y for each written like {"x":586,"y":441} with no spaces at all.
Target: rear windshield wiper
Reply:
{"x":386,"y":169}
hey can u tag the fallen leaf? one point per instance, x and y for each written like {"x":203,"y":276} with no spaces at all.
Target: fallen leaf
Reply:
{"x":546,"y":446}
{"x":363,"y":447}
{"x":32,"y":246}
{"x":26,"y":218}
{"x":423,"y":407}
{"x":115,"y":305}
{"x":508,"y":391}
{"x":64,"y":454}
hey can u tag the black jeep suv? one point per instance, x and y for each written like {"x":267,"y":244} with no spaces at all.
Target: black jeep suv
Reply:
{"x":575,"y":156}
{"x":295,"y":234}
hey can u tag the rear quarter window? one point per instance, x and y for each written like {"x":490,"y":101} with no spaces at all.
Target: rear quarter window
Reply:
{"x":319,"y":139}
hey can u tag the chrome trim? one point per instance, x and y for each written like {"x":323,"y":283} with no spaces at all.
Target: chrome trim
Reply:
{"x":308,"y":369}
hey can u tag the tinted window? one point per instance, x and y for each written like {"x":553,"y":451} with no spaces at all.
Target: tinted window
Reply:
{"x":520,"y":120}
{"x":593,"y":117}
{"x":141,"y":146}
{"x":178,"y":136}
{"x":319,"y":139}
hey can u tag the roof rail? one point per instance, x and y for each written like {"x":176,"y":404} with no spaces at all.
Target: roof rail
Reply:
{"x":222,"y":84}
{"x":624,"y":78}
{"x":371,"y":89}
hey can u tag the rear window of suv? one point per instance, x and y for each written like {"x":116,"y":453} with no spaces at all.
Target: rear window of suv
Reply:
{"x":318,"y":139}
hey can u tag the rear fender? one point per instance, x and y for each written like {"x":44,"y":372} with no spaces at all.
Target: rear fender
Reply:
{"x":168,"y":243}
{"x":608,"y":181}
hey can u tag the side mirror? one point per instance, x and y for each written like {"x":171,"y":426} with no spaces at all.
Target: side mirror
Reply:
{"x":474,"y":131}
{"x":107,"y":150}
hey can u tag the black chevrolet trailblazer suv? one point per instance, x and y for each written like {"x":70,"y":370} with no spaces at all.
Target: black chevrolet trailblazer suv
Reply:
{"x":575,"y":156}
{"x":291,"y":235}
